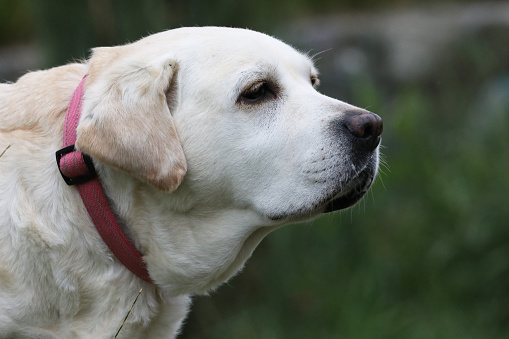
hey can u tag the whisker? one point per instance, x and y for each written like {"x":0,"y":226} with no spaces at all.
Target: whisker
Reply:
{"x":313,"y":57}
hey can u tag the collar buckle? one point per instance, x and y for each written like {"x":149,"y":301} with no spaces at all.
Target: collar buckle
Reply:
{"x":75,"y":167}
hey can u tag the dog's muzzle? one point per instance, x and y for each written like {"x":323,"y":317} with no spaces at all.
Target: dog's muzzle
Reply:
{"x":364,"y":130}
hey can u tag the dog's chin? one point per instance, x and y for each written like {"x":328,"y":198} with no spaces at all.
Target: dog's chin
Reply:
{"x":352,"y":193}
{"x":344,"y":196}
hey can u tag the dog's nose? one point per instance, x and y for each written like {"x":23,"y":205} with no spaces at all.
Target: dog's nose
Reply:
{"x":366,"y":127}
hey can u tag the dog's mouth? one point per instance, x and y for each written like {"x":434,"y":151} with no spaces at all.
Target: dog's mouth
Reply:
{"x":346,"y":194}
{"x":352,"y":193}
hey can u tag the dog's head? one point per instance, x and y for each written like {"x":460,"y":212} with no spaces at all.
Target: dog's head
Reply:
{"x":231,"y":123}
{"x":238,"y":111}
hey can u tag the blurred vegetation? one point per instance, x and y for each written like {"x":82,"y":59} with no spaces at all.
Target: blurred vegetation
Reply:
{"x":425,"y":255}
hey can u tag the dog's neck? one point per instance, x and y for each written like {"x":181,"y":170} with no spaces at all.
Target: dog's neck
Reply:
{"x":184,"y":243}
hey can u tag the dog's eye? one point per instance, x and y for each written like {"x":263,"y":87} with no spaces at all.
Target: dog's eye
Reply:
{"x":315,"y":81}
{"x":258,"y":92}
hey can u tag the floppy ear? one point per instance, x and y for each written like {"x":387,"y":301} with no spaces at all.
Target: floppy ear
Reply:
{"x":126,"y":121}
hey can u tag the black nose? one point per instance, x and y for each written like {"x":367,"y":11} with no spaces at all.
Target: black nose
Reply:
{"x":366,"y":127}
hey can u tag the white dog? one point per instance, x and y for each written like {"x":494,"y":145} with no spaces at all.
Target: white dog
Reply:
{"x":204,"y":139}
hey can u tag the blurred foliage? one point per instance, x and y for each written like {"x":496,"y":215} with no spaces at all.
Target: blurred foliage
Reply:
{"x":15,"y":22}
{"x":68,"y":29}
{"x":425,"y":255}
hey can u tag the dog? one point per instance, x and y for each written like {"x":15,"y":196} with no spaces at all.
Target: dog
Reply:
{"x":204,"y":141}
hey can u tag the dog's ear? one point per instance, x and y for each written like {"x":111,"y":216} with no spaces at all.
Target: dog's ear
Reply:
{"x":126,"y":120}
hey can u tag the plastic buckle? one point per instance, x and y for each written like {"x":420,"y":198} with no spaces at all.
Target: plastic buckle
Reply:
{"x":88,"y":163}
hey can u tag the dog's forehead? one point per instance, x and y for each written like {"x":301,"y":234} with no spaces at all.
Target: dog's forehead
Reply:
{"x":217,"y":46}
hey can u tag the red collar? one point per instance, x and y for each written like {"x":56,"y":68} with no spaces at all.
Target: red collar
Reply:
{"x":78,"y":169}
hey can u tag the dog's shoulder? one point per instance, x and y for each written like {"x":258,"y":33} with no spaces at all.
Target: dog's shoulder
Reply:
{"x":38,"y":99}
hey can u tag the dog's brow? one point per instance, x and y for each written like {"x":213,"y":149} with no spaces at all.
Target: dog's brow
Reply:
{"x":256,"y":73}
{"x":313,"y":70}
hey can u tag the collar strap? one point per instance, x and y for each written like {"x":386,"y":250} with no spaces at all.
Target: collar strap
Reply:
{"x":78,"y":169}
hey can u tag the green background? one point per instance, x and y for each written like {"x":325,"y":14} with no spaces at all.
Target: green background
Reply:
{"x":426,"y":253}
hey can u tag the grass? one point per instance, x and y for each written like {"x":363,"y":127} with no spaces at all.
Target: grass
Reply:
{"x":127,"y":315}
{"x":5,"y":150}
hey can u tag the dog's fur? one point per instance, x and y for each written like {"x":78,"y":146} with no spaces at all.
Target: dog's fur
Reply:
{"x":197,"y":170}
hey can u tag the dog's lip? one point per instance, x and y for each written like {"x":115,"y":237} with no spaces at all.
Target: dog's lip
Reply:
{"x":352,"y":194}
{"x":346,"y":195}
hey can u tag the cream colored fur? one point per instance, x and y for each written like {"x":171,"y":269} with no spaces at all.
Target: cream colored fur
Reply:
{"x":197,"y":175}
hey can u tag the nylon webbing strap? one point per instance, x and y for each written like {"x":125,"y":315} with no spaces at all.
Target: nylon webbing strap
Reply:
{"x":78,"y":169}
